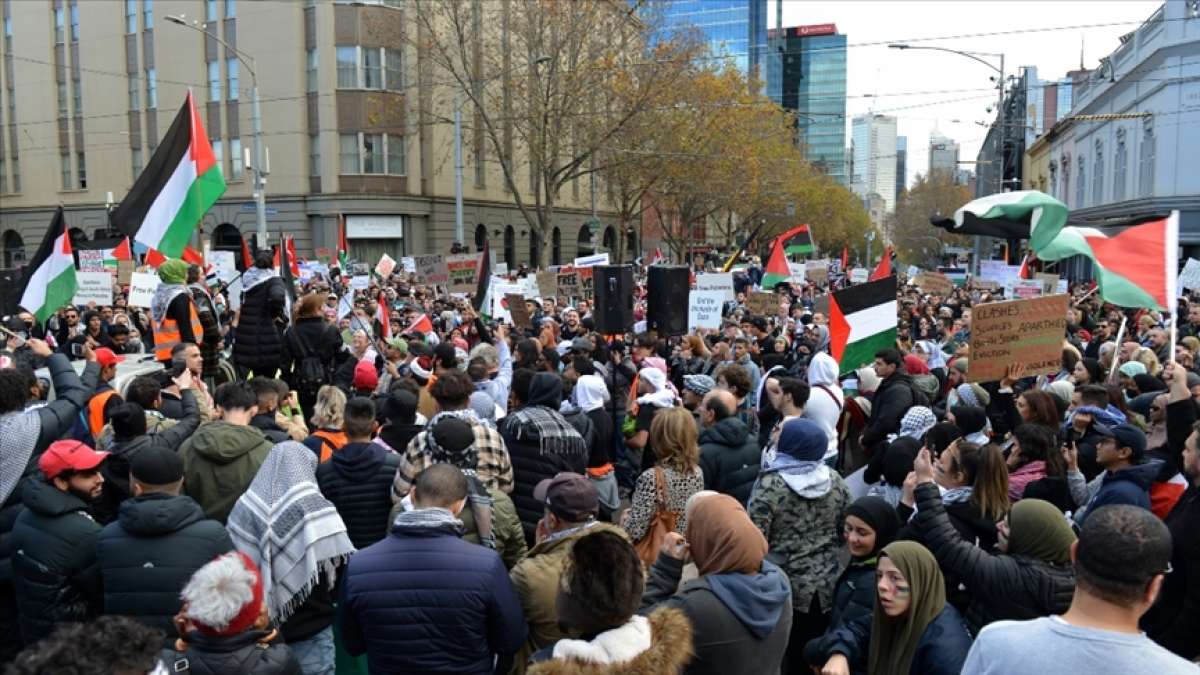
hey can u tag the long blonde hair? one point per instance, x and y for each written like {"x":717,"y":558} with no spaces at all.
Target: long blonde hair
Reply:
{"x":673,"y":436}
{"x":1148,"y":358}
{"x":330,"y":409}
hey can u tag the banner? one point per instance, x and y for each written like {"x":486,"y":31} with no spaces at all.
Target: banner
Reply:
{"x":463,"y":271}
{"x":94,"y":287}
{"x":762,"y":304}
{"x":1028,"y":332}
{"x":433,"y":269}
{"x":720,"y":281}
{"x":91,"y":260}
{"x":934,"y":283}
{"x":385,"y":266}
{"x":141,"y":288}
{"x":704,"y":309}
{"x":591,"y":260}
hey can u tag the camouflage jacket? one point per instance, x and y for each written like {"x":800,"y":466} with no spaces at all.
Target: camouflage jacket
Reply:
{"x":805,"y":536}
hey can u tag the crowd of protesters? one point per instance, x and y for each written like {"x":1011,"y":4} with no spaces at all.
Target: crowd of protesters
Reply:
{"x":388,"y":480}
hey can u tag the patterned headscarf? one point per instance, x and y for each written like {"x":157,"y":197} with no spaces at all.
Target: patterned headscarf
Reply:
{"x":916,"y":422}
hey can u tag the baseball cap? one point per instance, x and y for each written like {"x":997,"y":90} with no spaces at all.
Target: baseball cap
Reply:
{"x":156,"y":465}
{"x":398,"y":344}
{"x":106,"y":357}
{"x":1127,"y":436}
{"x":570,"y":496}
{"x":69,"y":455}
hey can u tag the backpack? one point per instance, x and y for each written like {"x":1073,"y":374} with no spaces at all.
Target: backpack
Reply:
{"x":311,"y":374}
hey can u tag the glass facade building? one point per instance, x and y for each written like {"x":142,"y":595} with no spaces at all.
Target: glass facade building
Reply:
{"x":806,"y":74}
{"x":736,"y":29}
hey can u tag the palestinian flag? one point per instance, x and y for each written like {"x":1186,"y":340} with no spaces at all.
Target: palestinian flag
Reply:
{"x":383,"y":317}
{"x":862,"y":320}
{"x":114,"y":256}
{"x":421,"y":325}
{"x":483,"y":281}
{"x":797,"y":241}
{"x":180,"y":183}
{"x":885,"y":266}
{"x":777,"y":270}
{"x":49,"y":279}
{"x":343,"y":247}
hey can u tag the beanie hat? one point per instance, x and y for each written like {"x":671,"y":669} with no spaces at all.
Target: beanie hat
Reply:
{"x":173,"y":271}
{"x":365,"y":376}
{"x":804,"y":440}
{"x":225,"y":597}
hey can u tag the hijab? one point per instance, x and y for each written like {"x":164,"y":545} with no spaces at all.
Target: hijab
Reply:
{"x":590,"y":392}
{"x":1147,"y":383}
{"x":1132,"y":368}
{"x":913,"y":365}
{"x":972,"y":421}
{"x":1039,"y":530}
{"x":822,"y":341}
{"x":879,"y":516}
{"x":916,"y":422}
{"x":894,"y":639}
{"x":722,"y":537}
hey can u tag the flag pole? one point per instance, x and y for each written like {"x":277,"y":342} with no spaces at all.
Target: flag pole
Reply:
{"x":1173,"y":320}
{"x":1112,"y":371}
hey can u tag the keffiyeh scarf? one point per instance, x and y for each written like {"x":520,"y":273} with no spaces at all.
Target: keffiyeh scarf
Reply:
{"x":807,"y":479}
{"x":547,"y":427}
{"x":19,"y":432}
{"x":478,"y":498}
{"x":915,"y":423}
{"x":432,"y":518}
{"x":288,"y":528}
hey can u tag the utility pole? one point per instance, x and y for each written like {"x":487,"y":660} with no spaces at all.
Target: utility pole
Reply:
{"x":458,"y":171}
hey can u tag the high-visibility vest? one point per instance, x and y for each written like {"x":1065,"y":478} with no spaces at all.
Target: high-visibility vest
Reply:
{"x":167,"y":335}
{"x":95,"y":416}
{"x":331,"y":441}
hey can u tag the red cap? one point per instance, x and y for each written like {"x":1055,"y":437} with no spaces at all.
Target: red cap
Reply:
{"x":73,"y":455}
{"x":105,"y":357}
{"x":365,"y":376}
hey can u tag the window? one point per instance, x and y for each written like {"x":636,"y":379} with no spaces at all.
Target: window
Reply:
{"x":1098,"y":175}
{"x":1120,"y":167}
{"x":214,"y":81}
{"x":231,"y":75}
{"x":1080,"y":184}
{"x":58,"y":25}
{"x":314,"y":155}
{"x":1146,"y":162}
{"x":135,"y":94}
{"x":77,"y":95}
{"x":235,"y":156}
{"x":311,"y":70}
{"x":348,"y":154}
{"x":151,"y":90}
{"x":74,"y":22}
{"x":135,"y":159}
{"x":394,"y":62}
{"x":210,"y":10}
{"x":230,"y":9}
{"x":130,"y":16}
{"x":65,"y":166}
{"x":16,"y":173}
{"x":372,"y":153}
{"x":3,"y":177}
{"x":62,"y":99}
{"x":395,"y":155}
{"x":347,"y":67}
{"x":372,"y":73}
{"x":219,"y":154}
{"x":148,"y":14}
{"x":81,"y":170}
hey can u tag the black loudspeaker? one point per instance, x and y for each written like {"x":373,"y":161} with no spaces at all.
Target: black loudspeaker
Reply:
{"x":612,"y":286}
{"x":667,"y":288}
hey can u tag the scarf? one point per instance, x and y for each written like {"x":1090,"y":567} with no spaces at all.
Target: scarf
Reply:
{"x":552,"y":432}
{"x":467,"y":460}
{"x":966,"y":396}
{"x":1039,"y":530}
{"x":722,"y":537}
{"x":759,"y":399}
{"x":916,"y":422}
{"x":956,"y":495}
{"x":810,"y":480}
{"x":432,"y":518}
{"x":163,"y":295}
{"x":880,"y":517}
{"x":288,"y":528}
{"x":894,"y":639}
{"x":19,"y":432}
{"x":590,"y":393}
{"x":888,"y":493}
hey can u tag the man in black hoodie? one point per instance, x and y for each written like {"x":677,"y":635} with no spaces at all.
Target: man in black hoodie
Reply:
{"x":160,"y":538}
{"x":267,"y":391}
{"x":358,"y":479}
{"x":893,"y":398}
{"x":729,"y":455}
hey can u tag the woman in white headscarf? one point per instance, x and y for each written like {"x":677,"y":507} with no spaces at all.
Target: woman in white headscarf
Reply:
{"x":590,"y":396}
{"x":825,"y":400}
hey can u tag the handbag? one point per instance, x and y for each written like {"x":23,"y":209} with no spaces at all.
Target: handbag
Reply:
{"x":663,"y":522}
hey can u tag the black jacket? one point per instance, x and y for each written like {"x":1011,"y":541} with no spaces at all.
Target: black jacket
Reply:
{"x":54,"y":560}
{"x":729,"y":457}
{"x":245,"y":653}
{"x":358,"y":480}
{"x":322,"y":338}
{"x":265,"y":422}
{"x":942,"y":649}
{"x":892,"y":399}
{"x":157,"y":542}
{"x":258,"y":340}
{"x":1003,"y":587}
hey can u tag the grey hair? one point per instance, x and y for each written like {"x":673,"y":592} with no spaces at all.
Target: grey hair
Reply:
{"x":217,"y":592}
{"x":487,"y":352}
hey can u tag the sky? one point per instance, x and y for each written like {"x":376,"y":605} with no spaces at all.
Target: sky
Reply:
{"x":883,"y":79}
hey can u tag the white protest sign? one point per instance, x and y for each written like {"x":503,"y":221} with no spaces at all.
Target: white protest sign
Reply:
{"x":797,"y":271}
{"x":500,"y":268}
{"x":1189,"y":278}
{"x":233,"y":294}
{"x":859,"y":275}
{"x":912,"y":271}
{"x":592,"y":260}
{"x":224,"y":263}
{"x":408,"y":264}
{"x":141,"y":288}
{"x":93,"y":287}
{"x":500,"y":288}
{"x":720,"y":281}
{"x":385,"y":266}
{"x":1062,"y":286}
{"x":704,"y":309}
{"x":91,"y":260}
{"x":360,"y":282}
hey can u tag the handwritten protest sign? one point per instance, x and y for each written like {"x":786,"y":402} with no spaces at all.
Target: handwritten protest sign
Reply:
{"x":1049,"y":283}
{"x":1189,"y":278}
{"x":141,"y":288}
{"x":500,"y":269}
{"x":720,"y":281}
{"x":360,"y":282}
{"x":1029,"y":332}
{"x":547,"y":283}
{"x":797,"y":271}
{"x":519,"y":312}
{"x":817,"y":271}
{"x":937,"y":284}
{"x":463,"y":272}
{"x":568,"y":282}
{"x":432,"y":269}
{"x":586,"y":285}
{"x":91,"y":260}
{"x":762,"y":304}
{"x":859,"y":275}
{"x":704,"y":309}
{"x":408,"y":265}
{"x":385,"y":266}
{"x":93,"y":287}
{"x":224,"y":264}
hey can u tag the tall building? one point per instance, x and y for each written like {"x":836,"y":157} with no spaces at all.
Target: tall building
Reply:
{"x":874,"y":138}
{"x":901,"y":165}
{"x":943,"y":155}
{"x":353,"y":128}
{"x":806,"y":74}
{"x":736,"y":29}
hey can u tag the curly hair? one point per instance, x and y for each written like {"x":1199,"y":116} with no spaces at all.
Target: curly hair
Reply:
{"x":108,"y":644}
{"x":736,"y":377}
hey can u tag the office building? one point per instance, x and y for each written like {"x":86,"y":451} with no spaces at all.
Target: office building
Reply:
{"x":901,"y":165}
{"x":735,"y":29}
{"x":943,"y":155}
{"x":874,"y":143}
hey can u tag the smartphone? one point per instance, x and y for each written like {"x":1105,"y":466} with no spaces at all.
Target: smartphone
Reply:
{"x":77,"y":348}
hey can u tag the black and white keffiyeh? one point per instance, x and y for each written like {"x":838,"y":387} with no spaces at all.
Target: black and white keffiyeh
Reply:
{"x":19,"y":432}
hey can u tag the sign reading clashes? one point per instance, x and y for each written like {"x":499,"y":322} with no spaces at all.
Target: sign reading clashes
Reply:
{"x":1029,"y":332}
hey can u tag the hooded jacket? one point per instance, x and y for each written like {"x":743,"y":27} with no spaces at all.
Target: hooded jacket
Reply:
{"x":892,"y":399}
{"x":669,"y":650}
{"x":358,"y":480}
{"x":729,"y":458}
{"x":1130,"y":485}
{"x":258,"y":337}
{"x":147,"y":556}
{"x":246,"y":652}
{"x":54,"y":560}
{"x":219,"y":461}
{"x":825,"y":398}
{"x":740,"y":622}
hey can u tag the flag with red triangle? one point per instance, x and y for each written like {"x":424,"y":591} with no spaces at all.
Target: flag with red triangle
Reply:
{"x":49,"y":278}
{"x":293,"y":262}
{"x":777,"y":270}
{"x":192,"y":256}
{"x":154,"y":258}
{"x":845,"y":258}
{"x":247,"y":259}
{"x":657,"y":256}
{"x":421,"y":324}
{"x":123,"y":251}
{"x":884,"y":268}
{"x":1026,"y":271}
{"x":343,"y":246}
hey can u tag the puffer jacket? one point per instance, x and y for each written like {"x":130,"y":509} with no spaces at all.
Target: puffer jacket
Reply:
{"x":854,"y":593}
{"x":424,"y":600}
{"x":150,"y":552}
{"x":258,"y":337}
{"x":54,"y":560}
{"x":729,"y":458}
{"x":219,"y":461}
{"x":804,"y":535}
{"x":1002,"y":587}
{"x":253,"y":652}
{"x":892,"y":399}
{"x":942,"y":649}
{"x":358,"y":480}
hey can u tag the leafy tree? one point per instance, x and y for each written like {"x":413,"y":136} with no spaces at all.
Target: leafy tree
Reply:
{"x":918,"y":242}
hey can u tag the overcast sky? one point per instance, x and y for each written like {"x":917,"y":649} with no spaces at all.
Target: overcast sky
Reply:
{"x":891,"y":75}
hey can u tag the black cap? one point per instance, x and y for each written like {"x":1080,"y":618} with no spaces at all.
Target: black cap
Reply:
{"x":570,"y":496}
{"x":156,"y":466}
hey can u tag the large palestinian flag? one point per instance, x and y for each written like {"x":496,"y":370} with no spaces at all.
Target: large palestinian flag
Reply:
{"x":777,"y":270}
{"x":49,"y":279}
{"x":1136,"y":262}
{"x":798,"y":241}
{"x":862,"y":320}
{"x":180,"y":183}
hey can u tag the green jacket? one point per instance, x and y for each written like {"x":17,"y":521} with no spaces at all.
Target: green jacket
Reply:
{"x":219,"y":461}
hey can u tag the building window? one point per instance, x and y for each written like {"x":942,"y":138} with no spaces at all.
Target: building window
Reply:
{"x":219,"y":154}
{"x":348,"y":161}
{"x":314,"y":155}
{"x":394,"y":76}
{"x":372,"y":69}
{"x":3,"y":176}
{"x":130,"y":16}
{"x":62,"y":99}
{"x":65,"y":167}
{"x":74,"y":22}
{"x":371,"y":154}
{"x":1081,"y":184}
{"x":311,"y":70}
{"x":373,"y":157}
{"x":135,"y":94}
{"x":235,"y":156}
{"x":210,"y":10}
{"x":81,"y":170}
{"x":230,"y":9}
{"x":1120,"y":167}
{"x":231,"y":74}
{"x":148,"y":14}
{"x":77,"y":95}
{"x":58,"y":25}
{"x":395,"y":155}
{"x":135,"y":159}
{"x":1146,"y":162}
{"x":1098,"y":175}
{"x":214,"y":81}
{"x":347,"y":67}
{"x":151,"y":90}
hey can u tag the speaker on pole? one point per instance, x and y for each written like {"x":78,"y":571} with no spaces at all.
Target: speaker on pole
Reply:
{"x":667,"y":288}
{"x":613,"y":298}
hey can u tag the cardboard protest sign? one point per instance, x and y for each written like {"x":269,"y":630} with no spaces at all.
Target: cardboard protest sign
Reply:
{"x":463,"y":272}
{"x":817,"y":271}
{"x":93,"y":287}
{"x":586,"y":286}
{"x":591,"y":260}
{"x":124,"y":271}
{"x":141,"y":288}
{"x":91,"y":260}
{"x":1029,"y":332}
{"x":432,"y":269}
{"x":762,"y":304}
{"x":519,"y":312}
{"x":1189,"y":278}
{"x":935,"y":283}
{"x":720,"y":281}
{"x":704,"y":309}
{"x":385,"y":266}
{"x":568,"y":283}
{"x":547,"y":283}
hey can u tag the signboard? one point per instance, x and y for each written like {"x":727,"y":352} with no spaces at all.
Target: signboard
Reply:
{"x":547,"y":284}
{"x":704,"y":309}
{"x":812,"y":30}
{"x":1049,"y":283}
{"x":433,"y":269}
{"x":568,"y":283}
{"x":817,"y":271}
{"x":762,"y":304}
{"x":385,"y":266}
{"x":932,"y":282}
{"x":124,"y":271}
{"x":796,"y":272}
{"x":1028,"y":288}
{"x":93,"y":287}
{"x":720,"y":281}
{"x":1189,"y":278}
{"x":141,"y":288}
{"x":1062,"y":286}
{"x":463,"y":272}
{"x":592,"y":260}
{"x":360,"y":282}
{"x":408,"y":265}
{"x":500,"y":269}
{"x":1028,"y":332}
{"x":957,"y":275}
{"x":91,"y":260}
{"x":520,"y":313}
{"x":821,"y":306}
{"x":859,"y":275}
{"x":586,"y":285}
{"x":501,"y":289}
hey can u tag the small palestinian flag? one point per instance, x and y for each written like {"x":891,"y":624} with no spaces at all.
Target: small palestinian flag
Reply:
{"x":343,"y":246}
{"x":483,"y":281}
{"x":797,"y":241}
{"x":862,"y":320}
{"x":50,"y":276}
{"x":885,"y":265}
{"x":114,"y":256}
{"x":177,"y":187}
{"x":777,"y":270}
{"x":421,"y":325}
{"x":383,"y":317}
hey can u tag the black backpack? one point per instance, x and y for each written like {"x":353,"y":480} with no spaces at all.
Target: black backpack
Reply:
{"x":311,"y":374}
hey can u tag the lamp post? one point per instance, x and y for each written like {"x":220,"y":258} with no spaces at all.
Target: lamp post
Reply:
{"x":260,"y":169}
{"x":1000,"y":121}
{"x":870,"y":238}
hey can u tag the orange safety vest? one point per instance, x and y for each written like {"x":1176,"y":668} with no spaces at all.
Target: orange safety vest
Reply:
{"x":95,"y":417}
{"x":167,"y":335}
{"x":331,"y":441}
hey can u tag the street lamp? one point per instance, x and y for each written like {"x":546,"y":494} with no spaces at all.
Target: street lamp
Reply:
{"x":260,"y":169}
{"x":1000,"y":129}
{"x":458,"y":152}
